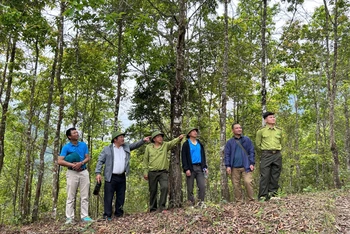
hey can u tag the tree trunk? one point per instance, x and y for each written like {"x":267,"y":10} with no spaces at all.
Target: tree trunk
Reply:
{"x":55,"y":169}
{"x":347,"y":128}
{"x":225,"y":192}
{"x":263,"y":58}
{"x":28,"y":166}
{"x":332,"y":89}
{"x":176,"y":112}
{"x":120,"y":69}
{"x":5,"y":104}
{"x":45,"y":139}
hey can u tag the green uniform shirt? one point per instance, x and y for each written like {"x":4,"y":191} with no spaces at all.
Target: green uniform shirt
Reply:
{"x":158,"y":158}
{"x":269,"y":138}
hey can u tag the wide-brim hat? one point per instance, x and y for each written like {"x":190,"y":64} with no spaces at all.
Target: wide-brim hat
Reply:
{"x":190,"y":130}
{"x":156,"y":133}
{"x":116,"y":134}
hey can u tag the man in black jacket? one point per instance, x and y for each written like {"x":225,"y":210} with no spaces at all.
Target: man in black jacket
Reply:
{"x":194,"y":166}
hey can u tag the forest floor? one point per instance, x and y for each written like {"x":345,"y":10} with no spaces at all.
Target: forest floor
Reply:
{"x":320,"y":212}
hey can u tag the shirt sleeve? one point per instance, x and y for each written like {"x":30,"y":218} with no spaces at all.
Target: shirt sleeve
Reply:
{"x":258,"y":139}
{"x":227,"y":152}
{"x":146,"y":161}
{"x":172,"y":143}
{"x":63,"y":151}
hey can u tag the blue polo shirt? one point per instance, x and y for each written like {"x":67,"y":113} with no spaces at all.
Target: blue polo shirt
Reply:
{"x":195,"y":152}
{"x":81,"y":149}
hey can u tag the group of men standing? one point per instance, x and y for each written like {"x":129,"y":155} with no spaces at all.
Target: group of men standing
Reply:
{"x":239,"y":161}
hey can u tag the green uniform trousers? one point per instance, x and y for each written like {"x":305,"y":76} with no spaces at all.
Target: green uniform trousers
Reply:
{"x":270,"y":171}
{"x":155,"y":177}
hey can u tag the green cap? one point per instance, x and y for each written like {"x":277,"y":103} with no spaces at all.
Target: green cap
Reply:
{"x":116,"y":134}
{"x":156,"y":133}
{"x":190,"y":130}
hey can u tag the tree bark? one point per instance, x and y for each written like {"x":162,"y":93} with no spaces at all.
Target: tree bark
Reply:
{"x":29,"y":142}
{"x":176,"y":112}
{"x":225,"y":192}
{"x":347,"y":128}
{"x":5,"y":104}
{"x":55,"y":169}
{"x":332,"y":89}
{"x":263,"y":58}
{"x":45,"y":139}
{"x":120,"y":69}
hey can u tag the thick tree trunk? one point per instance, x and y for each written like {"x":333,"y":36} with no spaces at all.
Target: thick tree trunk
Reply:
{"x":45,"y":139}
{"x":55,"y":168}
{"x":176,"y":112}
{"x":263,"y":58}
{"x":225,"y":193}
{"x":5,"y":104}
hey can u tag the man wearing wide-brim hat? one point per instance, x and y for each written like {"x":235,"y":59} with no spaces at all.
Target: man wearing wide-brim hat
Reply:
{"x":116,"y":158}
{"x":194,"y":166}
{"x":156,"y":167}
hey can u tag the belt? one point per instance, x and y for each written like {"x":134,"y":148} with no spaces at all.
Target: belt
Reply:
{"x":197,"y":164}
{"x":81,"y":169}
{"x":271,"y":151}
{"x":119,"y":174}
{"x":159,"y":171}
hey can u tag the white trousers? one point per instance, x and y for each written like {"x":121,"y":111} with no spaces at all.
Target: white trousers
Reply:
{"x":77,"y":179}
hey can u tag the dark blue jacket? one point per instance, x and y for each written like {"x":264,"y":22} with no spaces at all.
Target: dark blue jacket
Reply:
{"x":187,"y":159}
{"x":230,"y":148}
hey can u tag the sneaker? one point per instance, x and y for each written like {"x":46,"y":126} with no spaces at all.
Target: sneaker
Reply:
{"x":109,"y":218}
{"x":69,"y":221}
{"x":87,"y":219}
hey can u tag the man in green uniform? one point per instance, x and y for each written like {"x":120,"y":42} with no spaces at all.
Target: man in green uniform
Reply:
{"x":156,"y":166}
{"x":269,"y":141}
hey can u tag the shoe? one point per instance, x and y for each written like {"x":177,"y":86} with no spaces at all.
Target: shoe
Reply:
{"x":275,"y":198}
{"x":201,"y":205}
{"x":69,"y":221}
{"x":87,"y":219}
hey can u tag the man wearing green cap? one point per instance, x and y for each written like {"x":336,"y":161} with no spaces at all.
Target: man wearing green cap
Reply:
{"x":156,"y":166}
{"x":194,"y":165}
{"x":269,"y":141}
{"x":116,"y":158}
{"x":77,"y":175}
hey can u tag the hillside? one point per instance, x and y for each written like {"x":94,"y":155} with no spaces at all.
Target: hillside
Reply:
{"x":322,"y":212}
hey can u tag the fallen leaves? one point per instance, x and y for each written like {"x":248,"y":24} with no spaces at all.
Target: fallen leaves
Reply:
{"x":311,"y":213}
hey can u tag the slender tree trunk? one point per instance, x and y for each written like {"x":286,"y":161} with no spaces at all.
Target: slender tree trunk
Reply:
{"x":55,"y":169}
{"x":17,"y":181}
{"x":263,"y":58}
{"x":225,"y":192}
{"x":296,"y":148}
{"x":176,"y":112}
{"x":347,"y":129}
{"x":45,"y":139}
{"x":3,"y":80}
{"x":29,"y":142}
{"x":332,"y":89}
{"x":5,"y":104}
{"x":120,"y":69}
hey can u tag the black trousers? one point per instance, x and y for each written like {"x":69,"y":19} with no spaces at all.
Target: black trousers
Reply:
{"x":270,"y":171}
{"x":117,"y":186}
{"x":155,"y":177}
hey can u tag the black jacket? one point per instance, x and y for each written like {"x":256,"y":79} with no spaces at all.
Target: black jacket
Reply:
{"x":186,"y":157}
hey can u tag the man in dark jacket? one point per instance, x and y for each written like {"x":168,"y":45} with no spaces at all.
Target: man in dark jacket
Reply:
{"x":239,"y":162}
{"x":194,"y":166}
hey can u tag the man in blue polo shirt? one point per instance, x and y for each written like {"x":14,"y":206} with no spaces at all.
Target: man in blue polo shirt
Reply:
{"x":77,"y":175}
